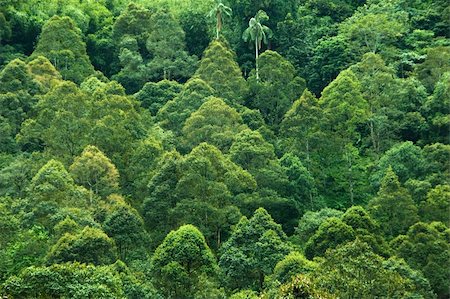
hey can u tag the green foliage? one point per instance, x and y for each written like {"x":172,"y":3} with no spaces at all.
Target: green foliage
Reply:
{"x":215,"y":123}
{"x":311,"y":221}
{"x":125,"y":226}
{"x":90,"y":245}
{"x":93,"y":170}
{"x":434,"y":66}
{"x":292,"y":265}
{"x":426,"y":247}
{"x":52,"y":183}
{"x":301,"y":285}
{"x":393,"y":206}
{"x":153,"y":95}
{"x":436,"y":110}
{"x":252,"y":251}
{"x":175,"y":112}
{"x":218,"y":68}
{"x":72,"y":280}
{"x":207,"y":144}
{"x":437,"y":207}
{"x":406,"y":160}
{"x":331,"y":233}
{"x":165,"y":43}
{"x":61,"y":42}
{"x":276,"y":88}
{"x":180,"y":260}
{"x":354,"y":270}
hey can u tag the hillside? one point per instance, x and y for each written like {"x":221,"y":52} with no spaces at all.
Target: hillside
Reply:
{"x":236,"y":149}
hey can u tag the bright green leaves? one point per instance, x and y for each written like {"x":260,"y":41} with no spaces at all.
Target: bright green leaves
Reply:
{"x":215,"y":123}
{"x":93,"y":170}
{"x":153,"y":95}
{"x":74,"y":280}
{"x":219,"y":69}
{"x":52,"y":183}
{"x":90,"y":245}
{"x":166,"y":44}
{"x":61,"y":42}
{"x":180,"y":261}
{"x":426,"y":247}
{"x":197,"y":189}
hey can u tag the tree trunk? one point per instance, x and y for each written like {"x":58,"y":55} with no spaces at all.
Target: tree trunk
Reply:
{"x":256,"y":59}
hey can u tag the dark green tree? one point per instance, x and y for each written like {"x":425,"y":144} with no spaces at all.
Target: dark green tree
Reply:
{"x":252,"y":251}
{"x":393,"y":206}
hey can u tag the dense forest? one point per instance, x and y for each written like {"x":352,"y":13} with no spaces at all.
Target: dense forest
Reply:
{"x":237,"y":149}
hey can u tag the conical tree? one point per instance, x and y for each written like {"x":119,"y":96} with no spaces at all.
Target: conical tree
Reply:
{"x":393,"y":207}
{"x":257,"y":33}
{"x":218,"y":12}
{"x":61,"y":42}
{"x":220,"y":70}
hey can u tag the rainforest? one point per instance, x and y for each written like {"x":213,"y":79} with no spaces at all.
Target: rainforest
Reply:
{"x":212,"y":149}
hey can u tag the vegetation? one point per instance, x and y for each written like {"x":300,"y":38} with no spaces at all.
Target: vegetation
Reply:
{"x":224,"y":149}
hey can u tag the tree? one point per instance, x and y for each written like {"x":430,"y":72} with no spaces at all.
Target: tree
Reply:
{"x":218,"y":12}
{"x":252,"y":251}
{"x":276,"y":88}
{"x":331,"y":233}
{"x":293,"y":264}
{"x":174,"y":113}
{"x":153,"y":95}
{"x":215,"y":123}
{"x":71,"y":280}
{"x":258,"y":33}
{"x":436,"y":111}
{"x":125,"y":226}
{"x":90,"y":245}
{"x":61,"y":42}
{"x":437,"y":207}
{"x":374,"y":28}
{"x":406,"y":160}
{"x":393,"y":206}
{"x":300,"y":126}
{"x":207,"y":183}
{"x":219,"y":69}
{"x":52,"y":183}
{"x":344,"y":111}
{"x":161,"y":198}
{"x":380,"y":85}
{"x":311,"y":221}
{"x":166,"y":45}
{"x":425,"y":247}
{"x":352,"y":269}
{"x":93,"y":170}
{"x":434,"y":66}
{"x":180,"y":260}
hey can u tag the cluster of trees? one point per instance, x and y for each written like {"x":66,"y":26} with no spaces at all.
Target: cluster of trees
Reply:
{"x":240,"y":149}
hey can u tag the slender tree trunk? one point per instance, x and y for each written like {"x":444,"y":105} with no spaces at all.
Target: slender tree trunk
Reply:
{"x":256,"y":60}
{"x":219,"y":25}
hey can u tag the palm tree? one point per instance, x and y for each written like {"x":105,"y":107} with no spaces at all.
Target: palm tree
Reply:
{"x":258,"y":33}
{"x":218,"y":12}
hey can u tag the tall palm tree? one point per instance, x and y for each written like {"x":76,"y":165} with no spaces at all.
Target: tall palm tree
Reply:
{"x":218,"y":12}
{"x":258,"y":33}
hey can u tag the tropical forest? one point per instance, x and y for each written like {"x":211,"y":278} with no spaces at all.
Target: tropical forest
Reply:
{"x":213,"y":149}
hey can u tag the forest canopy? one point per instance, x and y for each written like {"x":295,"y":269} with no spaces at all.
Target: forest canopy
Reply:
{"x":225,"y":149}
